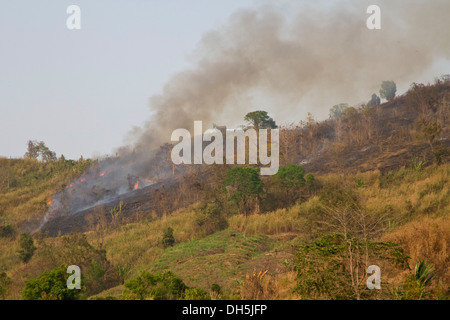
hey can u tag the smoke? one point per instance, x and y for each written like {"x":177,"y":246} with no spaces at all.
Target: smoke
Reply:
{"x":285,"y":60}
{"x":304,"y":60}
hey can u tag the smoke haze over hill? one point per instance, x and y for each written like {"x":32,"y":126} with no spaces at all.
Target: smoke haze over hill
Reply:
{"x":304,"y":62}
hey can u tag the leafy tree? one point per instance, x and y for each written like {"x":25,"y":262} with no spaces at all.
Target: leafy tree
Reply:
{"x":27,"y":247}
{"x":51,"y":285}
{"x":374,"y":101}
{"x":243,"y":185}
{"x":162,"y":286}
{"x":291,"y":176}
{"x":168,"y":238}
{"x":288,"y":182}
{"x":36,"y":149}
{"x":388,"y":90}
{"x":260,"y":120}
{"x":336,"y":110}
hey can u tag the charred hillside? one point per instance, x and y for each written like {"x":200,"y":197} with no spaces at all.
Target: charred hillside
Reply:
{"x":385,"y":137}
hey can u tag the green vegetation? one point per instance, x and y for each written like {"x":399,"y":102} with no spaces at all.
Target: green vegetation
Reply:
{"x":168,"y":240}
{"x":51,"y":285}
{"x":163,"y":286}
{"x":27,"y":247}
{"x":260,"y":120}
{"x":244,"y":187}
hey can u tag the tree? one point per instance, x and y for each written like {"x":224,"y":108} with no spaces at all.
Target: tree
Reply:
{"x":243,"y":185}
{"x":260,"y":120}
{"x":336,"y":110}
{"x":374,"y":101}
{"x":51,"y":285}
{"x":168,"y":238}
{"x":27,"y":247}
{"x":36,"y":149}
{"x":288,"y":182}
{"x":388,"y":90}
{"x":333,"y":267}
{"x":353,"y":232}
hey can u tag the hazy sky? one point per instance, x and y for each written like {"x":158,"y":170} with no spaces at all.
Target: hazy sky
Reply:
{"x":81,"y":91}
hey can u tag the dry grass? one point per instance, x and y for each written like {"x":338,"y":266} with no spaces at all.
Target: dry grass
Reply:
{"x":139,"y":243}
{"x":263,"y":286}
{"x":271,"y":223}
{"x":426,"y":239}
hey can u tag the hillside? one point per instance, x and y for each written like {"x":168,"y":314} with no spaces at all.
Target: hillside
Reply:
{"x":375,"y":167}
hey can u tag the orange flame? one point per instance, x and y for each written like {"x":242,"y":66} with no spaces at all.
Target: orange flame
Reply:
{"x":83,"y":180}
{"x":136,"y":185}
{"x":69,"y":186}
{"x":50,"y":202}
{"x":101,"y":174}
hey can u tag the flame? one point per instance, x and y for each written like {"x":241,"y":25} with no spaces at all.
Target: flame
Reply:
{"x":83,"y":180}
{"x":50,"y":202}
{"x":101,"y":174}
{"x":136,"y":185}
{"x":69,"y":186}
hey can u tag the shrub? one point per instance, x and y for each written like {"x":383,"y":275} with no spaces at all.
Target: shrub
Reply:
{"x":168,"y":239}
{"x":6,"y":231}
{"x":51,"y":285}
{"x":27,"y":247}
{"x":163,"y":286}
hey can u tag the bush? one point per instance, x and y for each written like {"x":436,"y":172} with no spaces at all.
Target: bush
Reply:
{"x":7,"y":231}
{"x":51,"y":285}
{"x":27,"y":247}
{"x":163,"y":286}
{"x":168,"y":238}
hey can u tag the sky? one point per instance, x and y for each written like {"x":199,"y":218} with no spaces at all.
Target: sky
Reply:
{"x":83,"y":91}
